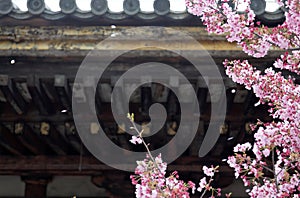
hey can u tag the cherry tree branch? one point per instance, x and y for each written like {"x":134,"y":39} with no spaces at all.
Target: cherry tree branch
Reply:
{"x":273,"y":162}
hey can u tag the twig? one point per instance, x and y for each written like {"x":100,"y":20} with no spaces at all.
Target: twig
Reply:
{"x":267,"y":168}
{"x":275,"y":176}
{"x":146,"y":146}
{"x":210,"y":180}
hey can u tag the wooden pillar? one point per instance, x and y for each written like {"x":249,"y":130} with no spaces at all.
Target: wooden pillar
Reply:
{"x":36,"y":186}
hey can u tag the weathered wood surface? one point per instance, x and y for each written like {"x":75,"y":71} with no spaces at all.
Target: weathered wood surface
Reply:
{"x":36,"y":186}
{"x":71,"y":165}
{"x":94,"y":33}
{"x":57,"y":41}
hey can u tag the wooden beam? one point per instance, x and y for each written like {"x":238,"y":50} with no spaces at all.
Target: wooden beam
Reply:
{"x":39,"y":98}
{"x":73,"y":41}
{"x":91,"y":92}
{"x":74,"y":139}
{"x":83,"y":92}
{"x":57,"y":140}
{"x":32,"y":141}
{"x":87,"y":45}
{"x":63,"y":92}
{"x":51,"y":137}
{"x":259,"y":112}
{"x":26,"y":66}
{"x":22,"y":88}
{"x":92,"y":33}
{"x":70,"y":165}
{"x":12,"y":95}
{"x":10,"y":141}
{"x":47,"y":88}
{"x":19,"y":131}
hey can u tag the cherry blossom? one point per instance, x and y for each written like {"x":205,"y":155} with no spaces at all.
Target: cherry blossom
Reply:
{"x":151,"y":181}
{"x":208,"y":171}
{"x":136,"y":140}
{"x":271,"y":166}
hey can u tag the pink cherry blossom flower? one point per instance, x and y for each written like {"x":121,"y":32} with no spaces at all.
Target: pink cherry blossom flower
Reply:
{"x":242,"y":147}
{"x":202,"y":184}
{"x":136,"y":140}
{"x":208,"y":171}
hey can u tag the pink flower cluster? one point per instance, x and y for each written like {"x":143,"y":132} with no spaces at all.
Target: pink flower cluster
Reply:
{"x":151,"y":181}
{"x":289,"y":61}
{"x":282,"y":137}
{"x":282,"y":95}
{"x":205,"y":185}
{"x":275,"y":169}
{"x":220,"y":18}
{"x":293,"y":16}
{"x":150,"y":176}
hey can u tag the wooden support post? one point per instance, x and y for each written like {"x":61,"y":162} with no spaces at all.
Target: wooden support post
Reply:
{"x":36,"y":186}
